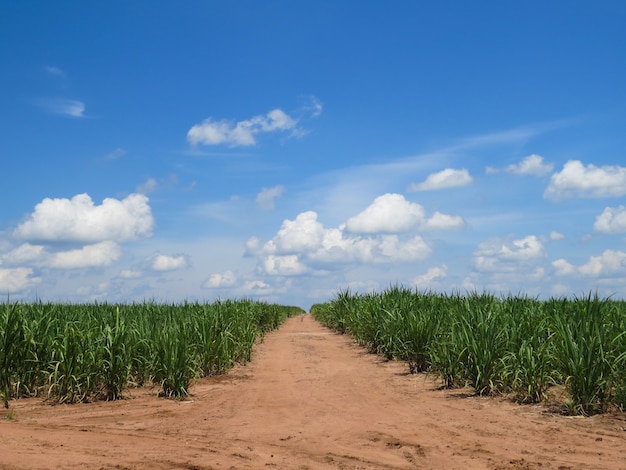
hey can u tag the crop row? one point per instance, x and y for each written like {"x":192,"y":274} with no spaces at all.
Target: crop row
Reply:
{"x":514,"y":344}
{"x":78,"y":352}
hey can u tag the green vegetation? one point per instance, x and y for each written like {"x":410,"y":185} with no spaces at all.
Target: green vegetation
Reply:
{"x":515,"y":344}
{"x":78,"y":352}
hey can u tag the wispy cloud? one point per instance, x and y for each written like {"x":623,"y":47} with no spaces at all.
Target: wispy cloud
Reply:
{"x":531,"y":165}
{"x":54,"y":71}
{"x":448,"y":178}
{"x":63,"y":107}
{"x":151,"y":184}
{"x":115,"y":154}
{"x":266,"y":199}
{"x":241,"y":133}
{"x":313,"y":106}
{"x":427,"y":280}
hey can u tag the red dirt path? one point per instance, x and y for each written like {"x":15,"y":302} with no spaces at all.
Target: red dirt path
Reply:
{"x":310,"y":399}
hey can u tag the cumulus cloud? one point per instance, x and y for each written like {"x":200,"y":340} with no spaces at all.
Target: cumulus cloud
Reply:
{"x":304,"y":233}
{"x":532,"y":165}
{"x":555,"y":236}
{"x":578,"y":180}
{"x":500,"y":255}
{"x":392,"y":213}
{"x":23,"y":254}
{"x":241,"y":133}
{"x":392,"y":249}
{"x":130,"y":274}
{"x":257,"y":287}
{"x":253,"y":246}
{"x":612,"y":220}
{"x":79,"y":220}
{"x":17,"y":279}
{"x":89,"y":256}
{"x":287,"y":265}
{"x":441,"y":221}
{"x":168,"y":263}
{"x":92,"y":255}
{"x":611,"y":263}
{"x":432,"y":275}
{"x":218,"y":280}
{"x":448,"y":178}
{"x":265,"y":200}
{"x":305,"y":245}
{"x":389,"y":213}
{"x":563,"y":268}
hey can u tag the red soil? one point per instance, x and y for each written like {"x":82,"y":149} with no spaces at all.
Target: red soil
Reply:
{"x":310,"y":399}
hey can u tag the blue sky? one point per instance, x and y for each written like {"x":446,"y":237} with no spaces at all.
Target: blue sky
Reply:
{"x":286,"y":150}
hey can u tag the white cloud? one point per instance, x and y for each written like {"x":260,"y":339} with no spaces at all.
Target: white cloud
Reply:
{"x":253,"y":246}
{"x":23,"y":254}
{"x":441,"y":221}
{"x":17,"y":279}
{"x":338,"y":248}
{"x":168,"y":263}
{"x":130,"y":274}
{"x":448,"y":178}
{"x":79,"y":220}
{"x":147,"y":186}
{"x":392,"y":249}
{"x":93,"y":255}
{"x":531,"y":165}
{"x":612,"y":220}
{"x":499,"y":255}
{"x":392,"y":213}
{"x":555,"y":236}
{"x":287,"y":265}
{"x":610,"y":262}
{"x":89,"y":256}
{"x":389,"y":213}
{"x":304,"y":233}
{"x":257,"y":287}
{"x":577,"y":180}
{"x":265,"y":200}
{"x":305,"y":245}
{"x":563,"y":268}
{"x":218,"y":280}
{"x":433,"y":274}
{"x":242,"y":133}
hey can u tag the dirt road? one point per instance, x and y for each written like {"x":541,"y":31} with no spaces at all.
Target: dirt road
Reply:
{"x":310,"y":399}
